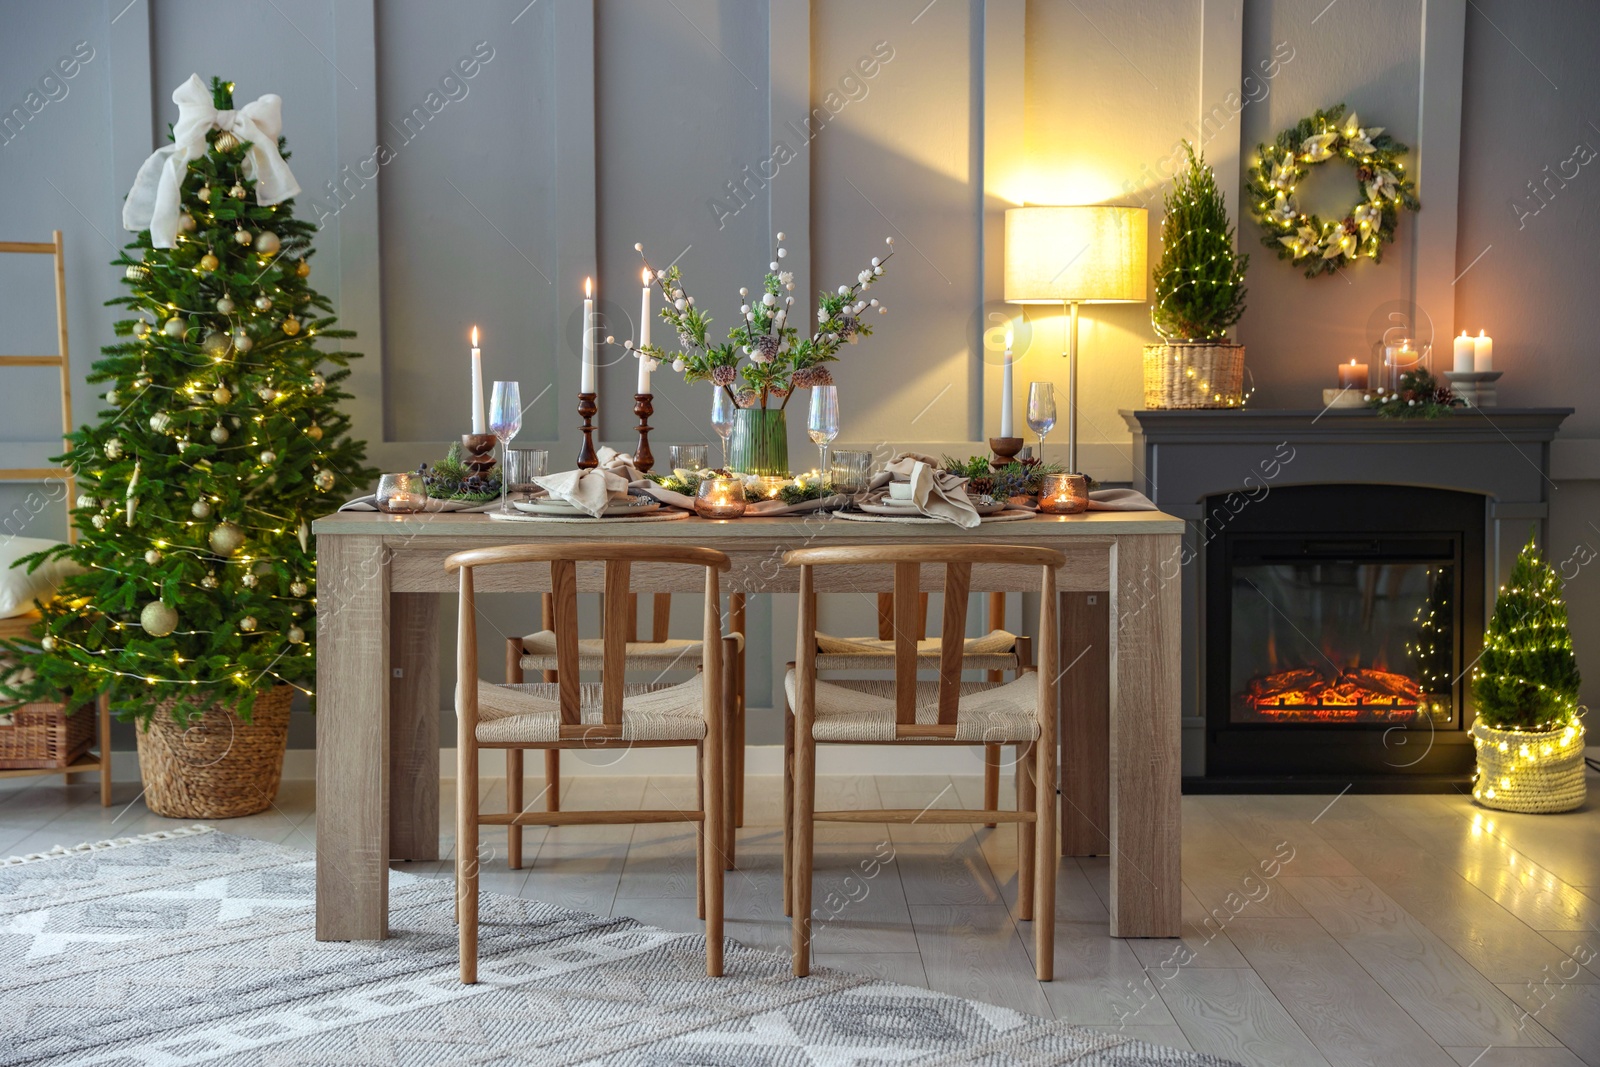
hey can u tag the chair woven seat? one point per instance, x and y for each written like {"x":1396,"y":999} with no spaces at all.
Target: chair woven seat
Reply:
{"x":531,"y":713}
{"x":995,"y":650}
{"x":539,"y":652}
{"x":988,"y":713}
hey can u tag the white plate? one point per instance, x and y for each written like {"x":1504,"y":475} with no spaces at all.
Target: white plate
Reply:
{"x":631,"y":506}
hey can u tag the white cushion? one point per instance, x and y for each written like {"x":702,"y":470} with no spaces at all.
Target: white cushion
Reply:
{"x":865,"y":711}
{"x":18,"y":588}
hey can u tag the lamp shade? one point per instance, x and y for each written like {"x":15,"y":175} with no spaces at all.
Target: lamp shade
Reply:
{"x":1091,"y":254}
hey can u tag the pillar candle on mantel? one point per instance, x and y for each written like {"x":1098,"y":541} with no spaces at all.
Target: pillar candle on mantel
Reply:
{"x":644,"y":336}
{"x":477,"y":385}
{"x":1352,"y":375}
{"x":586,"y":385}
{"x":1482,"y":352}
{"x":1464,"y":350}
{"x":1005,"y":389}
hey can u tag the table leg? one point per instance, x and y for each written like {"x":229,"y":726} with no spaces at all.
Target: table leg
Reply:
{"x":1085,"y":659}
{"x":352,"y":739}
{"x":1145,"y":764}
{"x":414,"y":726}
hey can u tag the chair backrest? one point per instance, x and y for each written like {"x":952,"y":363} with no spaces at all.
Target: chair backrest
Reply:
{"x":53,"y":247}
{"x":908,"y":612}
{"x":563,"y":561}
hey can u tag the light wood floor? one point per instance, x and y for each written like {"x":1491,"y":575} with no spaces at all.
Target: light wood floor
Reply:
{"x":1402,"y":930}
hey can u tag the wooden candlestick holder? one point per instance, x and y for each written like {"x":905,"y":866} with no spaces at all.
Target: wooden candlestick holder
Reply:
{"x":480,"y":452}
{"x":587,"y":459}
{"x":644,"y":407}
{"x":1005,"y":450}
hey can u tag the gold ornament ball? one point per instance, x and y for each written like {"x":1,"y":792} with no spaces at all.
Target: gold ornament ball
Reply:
{"x":136,"y":272}
{"x":267,"y":242}
{"x":47,"y":643}
{"x":152,"y":557}
{"x":176,"y":326}
{"x":263,"y":303}
{"x":226,"y":539}
{"x":303,"y":269}
{"x":268,"y":457}
{"x":111,"y":397}
{"x":221,"y":395}
{"x":324,"y":480}
{"x":241,"y":340}
{"x":186,"y":223}
{"x":224,"y":305}
{"x":248,"y":624}
{"x":237,"y":192}
{"x":204,"y":195}
{"x":291,"y":326}
{"x":297,"y":636}
{"x":215,"y":345}
{"x":249,"y":581}
{"x":141,"y":330}
{"x":318,"y":382}
{"x":297,"y":588}
{"x":314,"y":432}
{"x":141,"y":383}
{"x":209,"y":581}
{"x":208,"y":262}
{"x":225,"y":141}
{"x":219,"y":434}
{"x":113,"y":449}
{"x":158,"y":619}
{"x":200,"y":509}
{"x":241,"y":236}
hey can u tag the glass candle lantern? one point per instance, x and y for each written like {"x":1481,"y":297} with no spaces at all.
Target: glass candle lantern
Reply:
{"x":851,"y":472}
{"x":719,"y":498}
{"x":401,"y":494}
{"x":1064,"y":494}
{"x":689,"y":457}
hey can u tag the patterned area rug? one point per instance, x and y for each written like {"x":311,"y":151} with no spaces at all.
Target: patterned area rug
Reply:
{"x":192,"y":946}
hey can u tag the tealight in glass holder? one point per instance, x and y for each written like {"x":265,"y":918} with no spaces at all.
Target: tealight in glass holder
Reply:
{"x":851,"y":472}
{"x":401,"y":494}
{"x":1064,"y":494}
{"x":719,"y":498}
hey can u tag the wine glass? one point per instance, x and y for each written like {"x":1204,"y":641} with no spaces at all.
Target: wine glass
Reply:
{"x":722,"y":418}
{"x":823,"y":423}
{"x":1041,"y":411}
{"x":505,"y":419}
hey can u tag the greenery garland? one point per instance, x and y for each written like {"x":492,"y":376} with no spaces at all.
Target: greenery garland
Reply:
{"x":1306,"y":240}
{"x":1420,"y":396}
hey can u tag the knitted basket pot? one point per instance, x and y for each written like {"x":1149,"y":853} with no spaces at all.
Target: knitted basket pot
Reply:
{"x":1529,"y":770}
{"x":1193,"y":374}
{"x":220,"y":767}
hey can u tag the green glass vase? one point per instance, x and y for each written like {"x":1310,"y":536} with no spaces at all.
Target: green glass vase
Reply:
{"x":760,"y":442}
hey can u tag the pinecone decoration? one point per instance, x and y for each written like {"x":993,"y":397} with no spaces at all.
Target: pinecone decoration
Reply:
{"x":723,"y":376}
{"x":780,"y":390}
{"x":747,"y":398}
{"x":766,"y":347}
{"x":810,"y":377}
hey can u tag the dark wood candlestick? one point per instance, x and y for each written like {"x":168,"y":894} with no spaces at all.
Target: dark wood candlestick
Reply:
{"x":1005,"y":450}
{"x":480,"y":452}
{"x":644,"y":407}
{"x":587,"y":460}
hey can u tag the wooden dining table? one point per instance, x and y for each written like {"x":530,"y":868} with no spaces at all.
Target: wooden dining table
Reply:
{"x":378,"y":583}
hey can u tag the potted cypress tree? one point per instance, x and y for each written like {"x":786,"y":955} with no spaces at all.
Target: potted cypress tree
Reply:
{"x":1199,"y":295}
{"x":1528,"y":737}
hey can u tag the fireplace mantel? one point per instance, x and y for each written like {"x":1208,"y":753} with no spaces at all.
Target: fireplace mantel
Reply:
{"x":1181,"y":457}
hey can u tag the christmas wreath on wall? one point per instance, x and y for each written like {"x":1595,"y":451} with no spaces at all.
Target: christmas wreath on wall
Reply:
{"x":1306,"y":240}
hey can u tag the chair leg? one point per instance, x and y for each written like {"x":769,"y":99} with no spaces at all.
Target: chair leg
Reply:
{"x":714,"y":813}
{"x":467,"y":866}
{"x":991,"y":779}
{"x":730,"y":764}
{"x":103,"y":707}
{"x":700,"y":833}
{"x":805,"y":798}
{"x":513,"y":806}
{"x":1026,"y":797}
{"x":552,"y":779}
{"x":736,"y":624}
{"x":788,"y":813}
{"x":1044,"y":901}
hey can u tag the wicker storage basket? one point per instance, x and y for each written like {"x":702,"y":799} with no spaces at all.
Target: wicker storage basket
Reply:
{"x":1193,"y":374}
{"x":221,"y":767}
{"x":1529,"y":770}
{"x":44,"y":735}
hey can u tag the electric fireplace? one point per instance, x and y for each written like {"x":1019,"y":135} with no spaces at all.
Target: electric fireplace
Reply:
{"x":1337,"y":623}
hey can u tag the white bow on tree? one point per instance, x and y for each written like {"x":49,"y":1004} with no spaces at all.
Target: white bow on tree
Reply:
{"x":155,"y":201}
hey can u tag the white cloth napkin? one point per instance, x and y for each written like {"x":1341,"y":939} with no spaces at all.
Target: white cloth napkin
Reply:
{"x":937,"y":493}
{"x":590,"y":491}
{"x":155,"y":201}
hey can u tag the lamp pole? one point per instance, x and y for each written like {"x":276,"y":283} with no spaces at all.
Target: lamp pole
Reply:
{"x":1070,"y":328}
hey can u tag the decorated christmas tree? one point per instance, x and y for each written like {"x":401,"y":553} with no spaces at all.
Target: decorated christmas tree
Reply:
{"x":1527,"y":677}
{"x":1199,"y":279}
{"x":219,"y":441}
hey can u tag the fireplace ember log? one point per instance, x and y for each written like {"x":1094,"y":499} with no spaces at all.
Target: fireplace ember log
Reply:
{"x":1309,"y":694}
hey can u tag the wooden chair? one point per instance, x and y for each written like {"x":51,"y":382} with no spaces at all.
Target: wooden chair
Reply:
{"x":567,"y":714}
{"x":659,"y":654}
{"x":997,"y":652}
{"x":946,"y":712}
{"x":22,"y":625}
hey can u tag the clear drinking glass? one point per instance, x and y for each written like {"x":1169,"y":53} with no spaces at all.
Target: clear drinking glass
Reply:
{"x":1041,"y":411}
{"x":689,"y":457}
{"x":521,"y":466}
{"x":823,"y":423}
{"x":505,"y":419}
{"x":851,"y":471}
{"x":722,"y":408}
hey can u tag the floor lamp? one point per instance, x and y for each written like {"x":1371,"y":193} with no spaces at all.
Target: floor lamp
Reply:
{"x":1071,"y":256}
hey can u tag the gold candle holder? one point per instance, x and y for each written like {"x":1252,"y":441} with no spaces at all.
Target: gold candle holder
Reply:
{"x":1064,"y":494}
{"x":719,"y":498}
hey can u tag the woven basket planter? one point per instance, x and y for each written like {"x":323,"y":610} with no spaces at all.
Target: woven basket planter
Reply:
{"x":221,"y":767}
{"x":1529,"y":770}
{"x":1193,"y":374}
{"x":43,"y":735}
